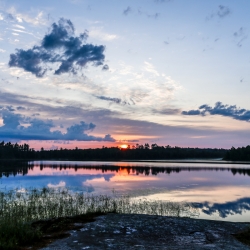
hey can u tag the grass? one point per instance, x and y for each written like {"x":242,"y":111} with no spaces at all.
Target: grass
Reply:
{"x":29,"y":217}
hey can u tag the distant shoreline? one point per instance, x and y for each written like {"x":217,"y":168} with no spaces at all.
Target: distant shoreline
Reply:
{"x":193,"y":161}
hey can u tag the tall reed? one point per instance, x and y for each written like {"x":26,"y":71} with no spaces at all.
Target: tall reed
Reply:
{"x":19,"y":209}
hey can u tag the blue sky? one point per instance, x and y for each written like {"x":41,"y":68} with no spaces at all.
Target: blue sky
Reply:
{"x":92,"y":73}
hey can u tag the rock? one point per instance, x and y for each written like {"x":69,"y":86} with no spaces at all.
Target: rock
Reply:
{"x":126,"y":231}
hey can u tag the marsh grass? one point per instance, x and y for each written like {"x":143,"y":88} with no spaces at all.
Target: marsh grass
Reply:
{"x":18,"y":210}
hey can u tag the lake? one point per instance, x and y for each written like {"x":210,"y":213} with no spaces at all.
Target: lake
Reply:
{"x":220,"y":190}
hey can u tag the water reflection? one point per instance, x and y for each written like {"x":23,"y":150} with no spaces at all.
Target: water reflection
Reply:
{"x":218,"y":190}
{"x":17,"y":167}
{"x":226,"y":209}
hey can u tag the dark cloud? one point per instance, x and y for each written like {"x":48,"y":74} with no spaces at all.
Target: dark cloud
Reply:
{"x":221,"y":109}
{"x":37,"y":129}
{"x":240,"y":35}
{"x":191,"y":112}
{"x":166,"y":111}
{"x":111,"y":99}
{"x":221,"y":12}
{"x":225,"y":209}
{"x":59,"y":46}
{"x":127,"y":11}
{"x":126,"y":141}
{"x":20,"y":108}
{"x":105,"y":67}
{"x":195,"y":135}
{"x":155,"y":16}
{"x":10,"y":17}
{"x":116,"y":100}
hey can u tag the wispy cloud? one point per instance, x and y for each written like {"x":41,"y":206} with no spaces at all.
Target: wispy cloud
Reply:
{"x":240,"y":35}
{"x":101,"y":35}
{"x":150,"y":68}
{"x":221,"y":12}
{"x":38,"y":19}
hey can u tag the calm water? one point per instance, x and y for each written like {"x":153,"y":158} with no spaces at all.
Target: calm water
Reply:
{"x":220,"y":191}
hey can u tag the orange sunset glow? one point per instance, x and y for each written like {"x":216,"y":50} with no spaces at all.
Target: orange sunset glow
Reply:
{"x":124,"y":146}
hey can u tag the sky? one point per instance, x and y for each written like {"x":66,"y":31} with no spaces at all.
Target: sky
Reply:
{"x":93,"y":73}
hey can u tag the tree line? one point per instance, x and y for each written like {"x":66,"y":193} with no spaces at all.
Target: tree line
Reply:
{"x":137,"y":152}
{"x":238,"y":154}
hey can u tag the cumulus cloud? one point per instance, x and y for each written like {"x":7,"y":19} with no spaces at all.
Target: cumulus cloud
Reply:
{"x":59,"y":46}
{"x":221,"y":109}
{"x":16,"y":126}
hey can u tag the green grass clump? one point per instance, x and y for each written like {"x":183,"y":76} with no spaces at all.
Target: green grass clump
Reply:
{"x":17,"y":233}
{"x":19,"y":210}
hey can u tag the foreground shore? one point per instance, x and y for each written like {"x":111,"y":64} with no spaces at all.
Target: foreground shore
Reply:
{"x":133,"y":231}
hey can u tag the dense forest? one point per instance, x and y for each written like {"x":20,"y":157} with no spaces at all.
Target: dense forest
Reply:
{"x":138,"y":152}
{"x":238,"y":154}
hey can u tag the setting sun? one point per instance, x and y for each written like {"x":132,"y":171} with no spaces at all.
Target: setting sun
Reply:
{"x":124,"y":146}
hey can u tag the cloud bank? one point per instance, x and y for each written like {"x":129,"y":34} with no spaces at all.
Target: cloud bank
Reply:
{"x":18,"y":127}
{"x":59,"y":47}
{"x":221,"y":109}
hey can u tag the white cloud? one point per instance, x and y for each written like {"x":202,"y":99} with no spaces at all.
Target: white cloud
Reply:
{"x":22,"y":31}
{"x":1,"y":17}
{"x":101,"y":35}
{"x":139,"y":87}
{"x":19,"y":26}
{"x":59,"y":185}
{"x":2,"y":50}
{"x":21,"y":17}
{"x":150,"y":68}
